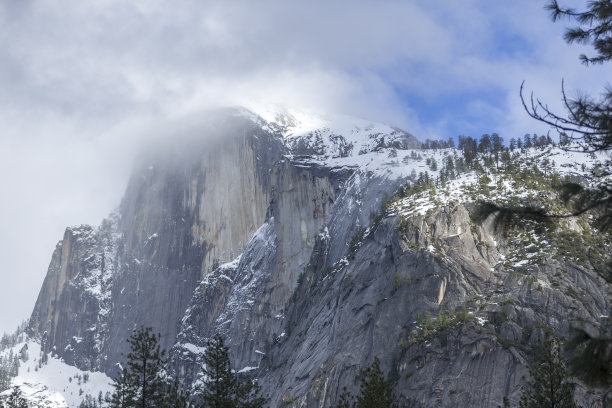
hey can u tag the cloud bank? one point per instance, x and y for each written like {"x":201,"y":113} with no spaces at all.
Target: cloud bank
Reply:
{"x":83,"y":83}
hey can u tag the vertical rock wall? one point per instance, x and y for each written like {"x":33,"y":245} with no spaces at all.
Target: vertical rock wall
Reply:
{"x":186,"y":208}
{"x":428,"y":297}
{"x":73,"y":308}
{"x":247,"y":300}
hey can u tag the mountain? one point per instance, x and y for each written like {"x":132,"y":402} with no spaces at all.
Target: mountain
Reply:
{"x":314,"y":243}
{"x":315,"y":134}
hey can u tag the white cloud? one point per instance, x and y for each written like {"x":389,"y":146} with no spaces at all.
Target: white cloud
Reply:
{"x":82,"y":81}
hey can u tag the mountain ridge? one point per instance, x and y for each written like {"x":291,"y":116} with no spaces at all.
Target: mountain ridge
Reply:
{"x":311,"y":258}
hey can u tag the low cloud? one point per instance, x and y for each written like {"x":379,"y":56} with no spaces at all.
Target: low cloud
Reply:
{"x":84,"y":83}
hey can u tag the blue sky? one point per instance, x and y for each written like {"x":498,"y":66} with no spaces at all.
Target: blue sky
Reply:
{"x":84,"y":83}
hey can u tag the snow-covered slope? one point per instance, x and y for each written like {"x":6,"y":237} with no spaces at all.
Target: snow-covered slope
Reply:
{"x":499,"y":188}
{"x":54,"y":383}
{"x":332,"y":135}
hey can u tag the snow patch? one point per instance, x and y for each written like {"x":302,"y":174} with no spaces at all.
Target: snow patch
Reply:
{"x":55,"y":384}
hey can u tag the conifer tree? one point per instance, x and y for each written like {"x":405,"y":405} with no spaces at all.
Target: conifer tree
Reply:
{"x":549,"y":386}
{"x":141,"y":384}
{"x":145,"y":363}
{"x":177,"y":397}
{"x":374,"y":391}
{"x":345,"y":400}
{"x":89,"y":402}
{"x":222,"y":388}
{"x":218,"y":391}
{"x":5,"y":374}
{"x":124,"y":395}
{"x":249,"y":395}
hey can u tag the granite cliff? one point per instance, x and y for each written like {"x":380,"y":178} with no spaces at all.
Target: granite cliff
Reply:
{"x":283,"y":235}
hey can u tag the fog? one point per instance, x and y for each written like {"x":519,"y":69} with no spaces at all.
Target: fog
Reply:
{"x":85,"y":85}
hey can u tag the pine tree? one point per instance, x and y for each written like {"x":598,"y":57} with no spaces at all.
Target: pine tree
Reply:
{"x":124,"y":395}
{"x":222,"y":388}
{"x":89,"y":402}
{"x":219,"y":388}
{"x":177,"y":397}
{"x":485,"y":143}
{"x":374,"y":391}
{"x":249,"y":395}
{"x":145,"y":365}
{"x":141,"y":383}
{"x":433,"y":165}
{"x":345,"y":400}
{"x":549,"y":386}
{"x":5,"y":374}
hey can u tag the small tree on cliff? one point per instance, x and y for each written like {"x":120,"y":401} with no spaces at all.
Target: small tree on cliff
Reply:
{"x":222,"y":388}
{"x":374,"y":391}
{"x":549,"y":386}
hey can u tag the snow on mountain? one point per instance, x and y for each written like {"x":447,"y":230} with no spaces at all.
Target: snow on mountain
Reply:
{"x":331,"y":135}
{"x":499,"y":188}
{"x":527,"y":249}
{"x":53,"y":384}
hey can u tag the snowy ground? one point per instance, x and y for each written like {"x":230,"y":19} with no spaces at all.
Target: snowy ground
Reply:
{"x":501,"y":189}
{"x":55,"y":384}
{"x":330,"y":134}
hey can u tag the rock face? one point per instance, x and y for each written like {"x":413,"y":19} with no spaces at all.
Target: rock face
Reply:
{"x":246,"y":299}
{"x":186,"y":209}
{"x":293,"y":261}
{"x":75,"y":302}
{"x":391,"y":301}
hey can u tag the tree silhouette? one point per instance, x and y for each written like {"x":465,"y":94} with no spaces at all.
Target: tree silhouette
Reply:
{"x":141,"y":384}
{"x":374,"y":391}
{"x":222,"y":388}
{"x":124,"y":394}
{"x":586,"y":125}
